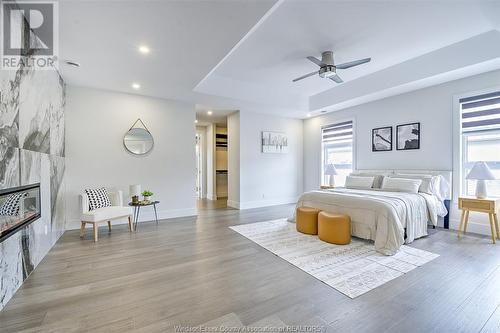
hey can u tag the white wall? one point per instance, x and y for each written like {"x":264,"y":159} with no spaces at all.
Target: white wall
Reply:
{"x":233,"y":156}
{"x":96,"y":122}
{"x":202,"y":131}
{"x":211,"y":162}
{"x":432,"y":107}
{"x":269,"y":179}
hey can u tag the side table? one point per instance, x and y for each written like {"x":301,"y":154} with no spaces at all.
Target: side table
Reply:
{"x":137,"y":210}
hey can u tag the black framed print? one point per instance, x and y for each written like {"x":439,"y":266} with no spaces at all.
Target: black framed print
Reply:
{"x":382,"y":139}
{"x":408,"y":136}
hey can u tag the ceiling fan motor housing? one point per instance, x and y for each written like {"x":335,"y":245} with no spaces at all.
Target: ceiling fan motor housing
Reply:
{"x":327,"y":58}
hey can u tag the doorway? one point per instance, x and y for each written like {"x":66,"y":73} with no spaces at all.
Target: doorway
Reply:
{"x":211,"y":161}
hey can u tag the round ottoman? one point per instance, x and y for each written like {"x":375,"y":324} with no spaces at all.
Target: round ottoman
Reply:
{"x":306,"y":220}
{"x":334,"y":228}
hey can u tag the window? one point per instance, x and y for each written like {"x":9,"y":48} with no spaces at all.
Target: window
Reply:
{"x":337,"y":149}
{"x":480,"y":119}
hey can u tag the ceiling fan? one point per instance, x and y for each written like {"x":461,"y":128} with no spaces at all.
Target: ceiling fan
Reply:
{"x":328,"y":69}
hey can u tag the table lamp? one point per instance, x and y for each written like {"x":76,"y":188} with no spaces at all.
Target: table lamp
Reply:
{"x":135,"y":192}
{"x":481,"y":172}
{"x":331,"y":171}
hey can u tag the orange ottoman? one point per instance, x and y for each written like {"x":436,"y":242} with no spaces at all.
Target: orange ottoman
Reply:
{"x":306,"y":220}
{"x":334,"y":228}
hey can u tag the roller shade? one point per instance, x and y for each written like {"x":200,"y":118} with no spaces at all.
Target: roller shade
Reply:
{"x":481,"y":113}
{"x":337,"y":135}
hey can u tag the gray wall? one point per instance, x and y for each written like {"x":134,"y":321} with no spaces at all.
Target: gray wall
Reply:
{"x":432,"y":107}
{"x":96,"y":122}
{"x":269,"y":179}
{"x":233,"y":155}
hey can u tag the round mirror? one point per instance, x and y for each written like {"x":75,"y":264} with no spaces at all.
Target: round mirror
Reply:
{"x":138,"y":141}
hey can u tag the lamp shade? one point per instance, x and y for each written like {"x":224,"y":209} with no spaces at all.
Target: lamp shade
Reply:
{"x":135,"y":190}
{"x":330,"y":170}
{"x":480,"y":171}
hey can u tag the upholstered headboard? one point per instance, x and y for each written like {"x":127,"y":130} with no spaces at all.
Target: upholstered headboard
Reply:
{"x":446,"y":174}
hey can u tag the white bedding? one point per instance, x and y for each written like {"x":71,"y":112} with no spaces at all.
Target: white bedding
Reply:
{"x":378,"y":215}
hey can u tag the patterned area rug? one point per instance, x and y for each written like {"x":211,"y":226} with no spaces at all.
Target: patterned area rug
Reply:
{"x":352,"y":269}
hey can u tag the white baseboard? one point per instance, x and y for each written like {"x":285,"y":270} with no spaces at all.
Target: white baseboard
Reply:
{"x":145,"y":216}
{"x":233,"y":204}
{"x":266,"y":203}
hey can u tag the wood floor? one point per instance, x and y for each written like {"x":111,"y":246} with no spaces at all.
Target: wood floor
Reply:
{"x":205,"y":204}
{"x":193,"y":271}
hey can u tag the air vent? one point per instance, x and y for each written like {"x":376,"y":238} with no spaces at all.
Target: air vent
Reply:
{"x":72,"y":63}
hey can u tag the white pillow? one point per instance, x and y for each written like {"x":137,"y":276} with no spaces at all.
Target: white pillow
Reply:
{"x":359,"y":182}
{"x":430,"y":183}
{"x":377,"y":177}
{"x":401,"y":185}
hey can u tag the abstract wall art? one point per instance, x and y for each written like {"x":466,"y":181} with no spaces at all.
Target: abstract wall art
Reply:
{"x":274,"y":143}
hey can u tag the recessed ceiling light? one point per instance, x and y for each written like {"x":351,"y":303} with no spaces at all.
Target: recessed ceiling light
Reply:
{"x":136,"y":86}
{"x":144,"y":49}
{"x":308,"y":114}
{"x":209,"y":113}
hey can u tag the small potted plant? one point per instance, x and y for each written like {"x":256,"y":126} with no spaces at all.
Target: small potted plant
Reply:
{"x":147,"y":195}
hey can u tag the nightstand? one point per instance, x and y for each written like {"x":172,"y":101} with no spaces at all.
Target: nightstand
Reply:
{"x":487,"y":205}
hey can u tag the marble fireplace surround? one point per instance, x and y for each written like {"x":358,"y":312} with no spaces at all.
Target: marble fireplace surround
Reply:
{"x":32,"y":150}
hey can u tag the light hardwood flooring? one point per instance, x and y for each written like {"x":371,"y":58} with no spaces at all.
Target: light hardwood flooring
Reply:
{"x":205,"y":204}
{"x":192,"y":271}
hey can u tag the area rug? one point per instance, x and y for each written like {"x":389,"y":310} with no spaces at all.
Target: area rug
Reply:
{"x":352,"y":269}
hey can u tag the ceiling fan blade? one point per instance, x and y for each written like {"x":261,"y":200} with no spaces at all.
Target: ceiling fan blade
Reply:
{"x":336,"y":78}
{"x":304,"y":76}
{"x":352,"y":63}
{"x":316,"y":61}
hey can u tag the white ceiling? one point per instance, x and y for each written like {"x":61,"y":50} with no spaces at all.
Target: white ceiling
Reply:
{"x":187,"y":39}
{"x":244,"y":54}
{"x":216,"y":116}
{"x":390,"y":32}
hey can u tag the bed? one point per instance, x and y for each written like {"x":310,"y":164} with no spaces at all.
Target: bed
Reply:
{"x":388,"y":218}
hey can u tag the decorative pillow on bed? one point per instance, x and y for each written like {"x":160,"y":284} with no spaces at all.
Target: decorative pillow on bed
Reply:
{"x":377,"y":177}
{"x":401,"y":185}
{"x":98,"y":198}
{"x":429,"y":185}
{"x":356,"y":182}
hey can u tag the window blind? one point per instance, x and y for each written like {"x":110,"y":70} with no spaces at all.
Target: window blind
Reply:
{"x":337,"y":135}
{"x":480,"y":113}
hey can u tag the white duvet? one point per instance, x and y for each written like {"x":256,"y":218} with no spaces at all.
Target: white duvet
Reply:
{"x":378,"y":215}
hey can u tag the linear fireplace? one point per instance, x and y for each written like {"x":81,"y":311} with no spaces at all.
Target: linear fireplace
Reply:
{"x":19,"y":206}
